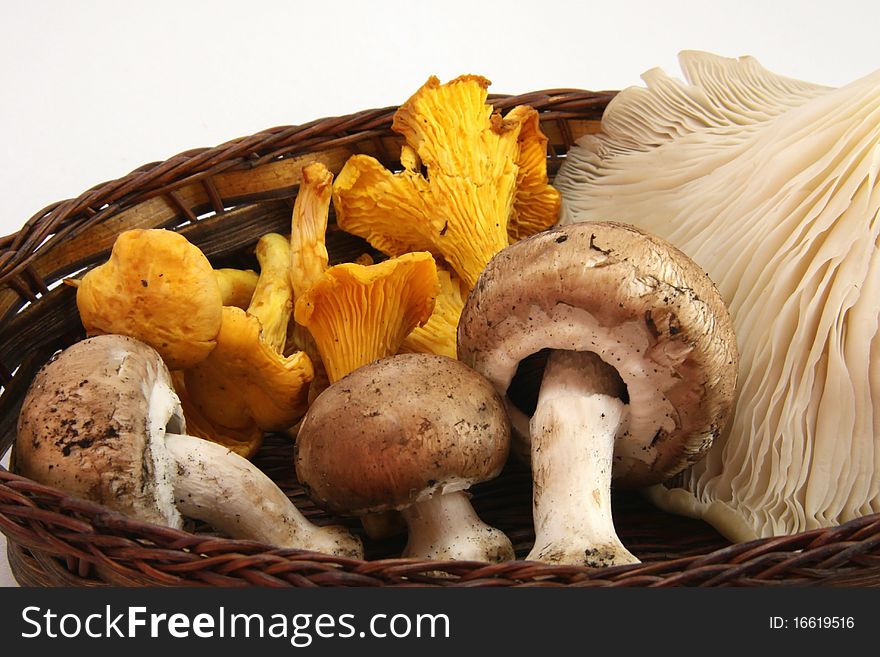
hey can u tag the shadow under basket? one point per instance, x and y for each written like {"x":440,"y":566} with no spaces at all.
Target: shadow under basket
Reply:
{"x":223,"y":199}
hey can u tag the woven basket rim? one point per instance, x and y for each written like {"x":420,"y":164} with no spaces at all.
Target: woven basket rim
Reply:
{"x":762,"y":558}
{"x":846,"y":554}
{"x":249,"y":150}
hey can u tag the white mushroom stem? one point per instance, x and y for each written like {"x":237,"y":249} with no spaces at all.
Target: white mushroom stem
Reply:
{"x":227,"y":491}
{"x":573,"y":431}
{"x":445,"y":526}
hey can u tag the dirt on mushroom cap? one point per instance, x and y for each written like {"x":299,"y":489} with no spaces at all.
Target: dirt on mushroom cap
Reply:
{"x":399,"y":428}
{"x":533,"y":295}
{"x":85,"y":426}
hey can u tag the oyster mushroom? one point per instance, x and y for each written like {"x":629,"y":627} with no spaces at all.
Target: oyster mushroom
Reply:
{"x":101,"y":421}
{"x":770,"y":184}
{"x":410,"y":432}
{"x":640,"y":378}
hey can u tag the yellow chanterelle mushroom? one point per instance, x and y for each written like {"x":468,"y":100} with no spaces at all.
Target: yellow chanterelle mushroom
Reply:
{"x":357,"y":314}
{"x":484,"y":180}
{"x":354,"y":313}
{"x":438,"y":334}
{"x":247,"y":380}
{"x":237,"y":286}
{"x":156,"y":287}
{"x":244,"y":440}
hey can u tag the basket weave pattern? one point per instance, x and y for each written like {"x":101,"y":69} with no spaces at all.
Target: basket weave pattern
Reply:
{"x":223,"y":199}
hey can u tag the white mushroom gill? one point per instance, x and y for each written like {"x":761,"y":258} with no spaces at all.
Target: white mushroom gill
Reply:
{"x":771,"y":185}
{"x":648,"y":373}
{"x":163,"y":414}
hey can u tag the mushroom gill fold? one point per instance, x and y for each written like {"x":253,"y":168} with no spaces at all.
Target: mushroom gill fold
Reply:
{"x":771,"y":185}
{"x":357,"y":313}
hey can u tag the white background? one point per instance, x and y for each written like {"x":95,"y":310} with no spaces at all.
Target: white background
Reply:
{"x":91,"y":90}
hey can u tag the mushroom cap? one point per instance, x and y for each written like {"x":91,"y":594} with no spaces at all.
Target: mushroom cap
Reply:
{"x":156,"y":287}
{"x":400,"y":430}
{"x":771,"y":185}
{"x":93,"y":423}
{"x":643,"y":306}
{"x":308,"y":228}
{"x":245,"y":440}
{"x":245,"y":381}
{"x":536,"y":203}
{"x":236,"y":286}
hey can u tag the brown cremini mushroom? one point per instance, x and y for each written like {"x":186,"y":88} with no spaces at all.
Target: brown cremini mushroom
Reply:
{"x":640,"y":379}
{"x":410,"y":432}
{"x":102,"y":421}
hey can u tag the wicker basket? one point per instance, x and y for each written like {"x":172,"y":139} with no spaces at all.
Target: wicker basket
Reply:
{"x":223,"y":199}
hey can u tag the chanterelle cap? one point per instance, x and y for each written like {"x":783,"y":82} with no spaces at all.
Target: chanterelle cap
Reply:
{"x":640,"y":304}
{"x":399,"y":430}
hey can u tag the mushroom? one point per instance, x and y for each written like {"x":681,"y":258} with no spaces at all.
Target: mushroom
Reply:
{"x":308,"y":227}
{"x":272,"y":300}
{"x":770,"y":184}
{"x":102,"y":422}
{"x":374,"y":306}
{"x":648,"y":403}
{"x":536,"y":203}
{"x":156,"y":287}
{"x":462,"y":207}
{"x":309,"y":258}
{"x":237,"y":286}
{"x":411,"y":432}
{"x":247,"y":380}
{"x":244,"y":440}
{"x":357,"y":314}
{"x":438,"y":334}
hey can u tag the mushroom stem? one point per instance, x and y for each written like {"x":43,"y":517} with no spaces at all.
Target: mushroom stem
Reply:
{"x":445,"y":526}
{"x":573,"y":432}
{"x":228,"y":492}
